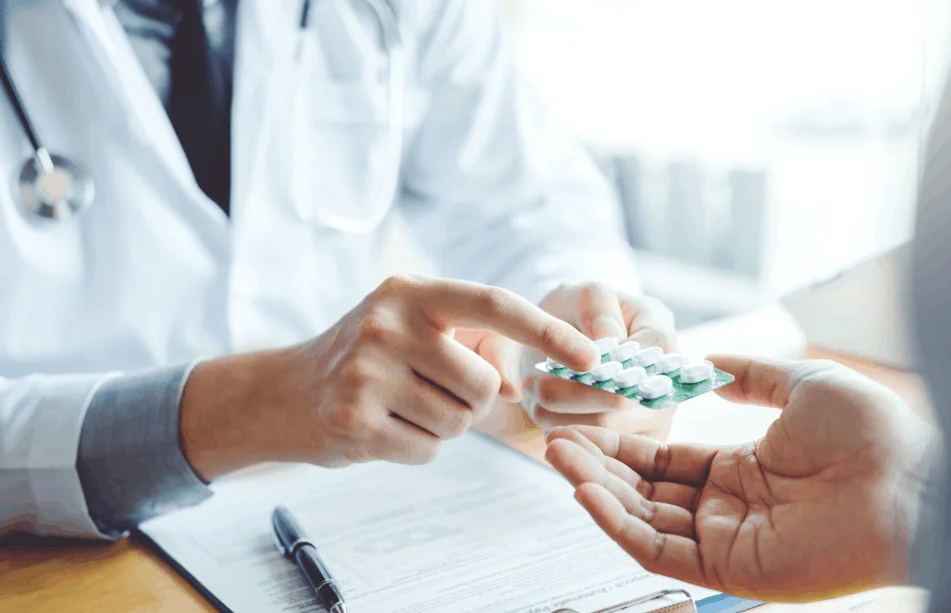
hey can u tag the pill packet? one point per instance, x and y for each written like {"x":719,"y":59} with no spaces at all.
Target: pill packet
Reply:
{"x":645,"y":375}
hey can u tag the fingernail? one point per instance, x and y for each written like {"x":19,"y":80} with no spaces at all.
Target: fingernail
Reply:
{"x":605,"y":325}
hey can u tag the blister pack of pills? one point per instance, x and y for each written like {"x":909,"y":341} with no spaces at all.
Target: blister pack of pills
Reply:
{"x":646,"y":375}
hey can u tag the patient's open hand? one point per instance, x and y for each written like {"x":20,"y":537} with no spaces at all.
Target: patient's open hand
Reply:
{"x":818,"y":507}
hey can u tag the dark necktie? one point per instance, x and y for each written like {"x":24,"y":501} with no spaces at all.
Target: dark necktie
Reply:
{"x":187,"y":49}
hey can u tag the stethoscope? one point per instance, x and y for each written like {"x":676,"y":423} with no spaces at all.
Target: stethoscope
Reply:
{"x":53,"y":187}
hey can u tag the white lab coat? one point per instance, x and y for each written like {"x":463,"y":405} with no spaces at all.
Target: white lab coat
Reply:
{"x":155,"y":274}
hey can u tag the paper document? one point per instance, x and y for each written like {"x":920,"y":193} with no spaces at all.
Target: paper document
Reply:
{"x":482,"y":529}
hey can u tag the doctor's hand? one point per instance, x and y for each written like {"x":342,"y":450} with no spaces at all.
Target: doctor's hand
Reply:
{"x":818,"y":507}
{"x":416,"y":362}
{"x":598,"y":311}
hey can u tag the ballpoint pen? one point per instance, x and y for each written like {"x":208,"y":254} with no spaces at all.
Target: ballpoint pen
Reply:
{"x":292,"y":543}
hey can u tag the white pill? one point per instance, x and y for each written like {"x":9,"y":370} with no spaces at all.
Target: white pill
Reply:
{"x":695,"y":372}
{"x":655,"y":386}
{"x":629,"y":377}
{"x":606,"y":371}
{"x":670,"y":363}
{"x":552,"y":364}
{"x":625,"y":351}
{"x":606,"y":344}
{"x":647,"y":357}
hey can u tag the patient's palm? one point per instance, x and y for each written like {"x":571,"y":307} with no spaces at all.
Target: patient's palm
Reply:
{"x":817,"y":507}
{"x":787,"y":517}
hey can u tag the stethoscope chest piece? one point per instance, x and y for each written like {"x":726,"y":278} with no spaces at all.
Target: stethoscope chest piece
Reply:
{"x":54,"y":188}
{"x":51,"y":186}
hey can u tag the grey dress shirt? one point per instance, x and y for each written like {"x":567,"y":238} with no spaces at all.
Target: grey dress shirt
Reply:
{"x":130,"y":462}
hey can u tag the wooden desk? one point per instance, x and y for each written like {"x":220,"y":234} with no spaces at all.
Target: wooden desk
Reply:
{"x":48,"y":575}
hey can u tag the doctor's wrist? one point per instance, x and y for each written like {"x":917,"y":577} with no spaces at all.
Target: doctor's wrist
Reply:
{"x":221,"y":429}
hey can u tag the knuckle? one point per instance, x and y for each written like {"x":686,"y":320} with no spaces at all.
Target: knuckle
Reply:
{"x":374,"y":329}
{"x":592,"y":291}
{"x":645,"y":488}
{"x":394,"y":285}
{"x":552,"y":333}
{"x":657,"y":551}
{"x":587,"y":313}
{"x":354,"y":373}
{"x":817,"y":374}
{"x":360,"y":424}
{"x":426,"y":452}
{"x":486,"y":385}
{"x":494,"y":300}
{"x":648,"y":511}
{"x":458,"y":424}
{"x":661,"y":460}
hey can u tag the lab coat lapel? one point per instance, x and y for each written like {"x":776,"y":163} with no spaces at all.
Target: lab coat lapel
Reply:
{"x":145,"y":114}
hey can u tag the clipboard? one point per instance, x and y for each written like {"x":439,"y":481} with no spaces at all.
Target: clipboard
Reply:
{"x":182,"y":537}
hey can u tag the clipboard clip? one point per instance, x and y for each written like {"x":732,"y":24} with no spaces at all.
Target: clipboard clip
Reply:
{"x":668,"y":601}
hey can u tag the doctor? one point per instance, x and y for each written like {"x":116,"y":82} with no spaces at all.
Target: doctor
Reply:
{"x":191,"y":179}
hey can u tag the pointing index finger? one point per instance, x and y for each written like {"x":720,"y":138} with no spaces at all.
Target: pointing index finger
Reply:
{"x":448,"y":303}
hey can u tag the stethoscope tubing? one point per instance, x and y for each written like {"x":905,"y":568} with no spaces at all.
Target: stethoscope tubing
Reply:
{"x":17,"y":102}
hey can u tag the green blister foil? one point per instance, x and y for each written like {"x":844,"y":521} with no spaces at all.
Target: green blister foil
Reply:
{"x":681,"y":392}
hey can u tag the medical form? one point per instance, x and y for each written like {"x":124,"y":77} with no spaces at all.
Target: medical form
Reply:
{"x":483,"y":529}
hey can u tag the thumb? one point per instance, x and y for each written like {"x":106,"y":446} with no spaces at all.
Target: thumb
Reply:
{"x":504,"y":355}
{"x":605,"y":325}
{"x":758,"y":380}
{"x":599,"y":313}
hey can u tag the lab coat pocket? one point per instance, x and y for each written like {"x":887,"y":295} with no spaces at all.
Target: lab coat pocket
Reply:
{"x":347,"y":149}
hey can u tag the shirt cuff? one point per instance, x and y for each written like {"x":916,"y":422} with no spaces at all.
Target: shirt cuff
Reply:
{"x":130,"y":461}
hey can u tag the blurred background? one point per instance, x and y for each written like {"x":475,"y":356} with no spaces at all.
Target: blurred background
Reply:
{"x":757,"y":147}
